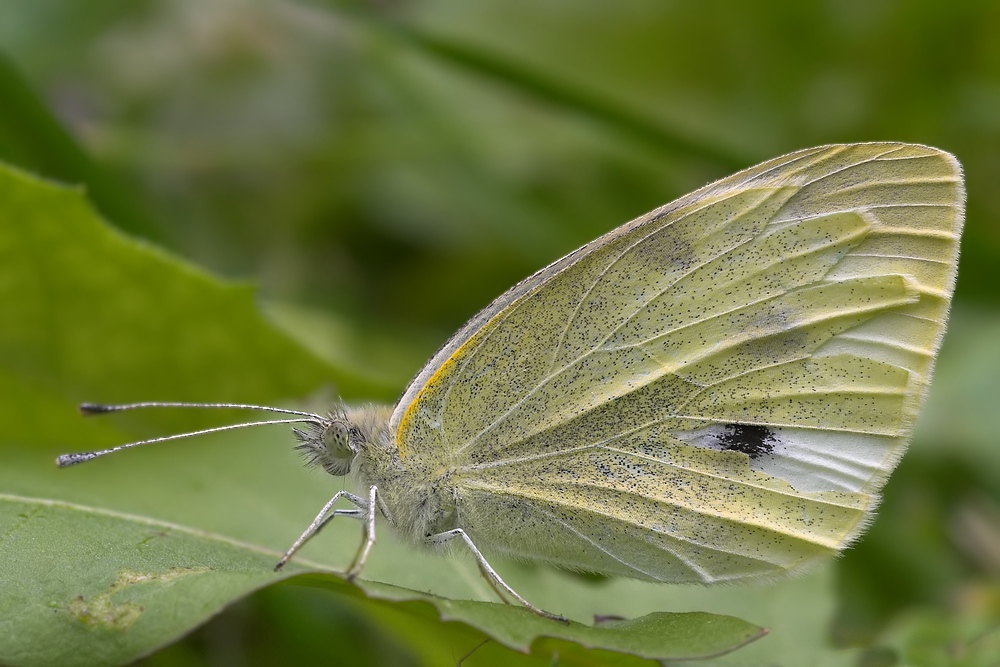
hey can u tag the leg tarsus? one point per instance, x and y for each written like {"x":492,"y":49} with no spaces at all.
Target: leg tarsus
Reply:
{"x":369,"y":541}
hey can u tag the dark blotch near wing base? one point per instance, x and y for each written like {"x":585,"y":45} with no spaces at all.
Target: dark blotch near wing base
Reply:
{"x":751,"y":439}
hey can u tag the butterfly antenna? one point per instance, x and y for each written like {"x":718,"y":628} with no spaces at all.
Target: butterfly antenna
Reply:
{"x":99,"y":408}
{"x":66,"y":460}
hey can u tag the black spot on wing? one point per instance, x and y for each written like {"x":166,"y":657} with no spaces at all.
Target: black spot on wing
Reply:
{"x":751,"y":439}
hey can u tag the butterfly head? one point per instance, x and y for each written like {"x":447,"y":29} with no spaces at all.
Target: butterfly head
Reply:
{"x":331,"y":442}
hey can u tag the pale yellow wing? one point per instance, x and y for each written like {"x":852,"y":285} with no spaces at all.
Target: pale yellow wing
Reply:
{"x":716,"y":390}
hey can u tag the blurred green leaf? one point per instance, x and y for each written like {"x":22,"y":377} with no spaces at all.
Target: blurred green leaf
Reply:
{"x":32,"y":137}
{"x":931,"y":638}
{"x":530,"y":81}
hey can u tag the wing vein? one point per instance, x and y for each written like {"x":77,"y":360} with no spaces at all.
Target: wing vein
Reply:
{"x":851,"y":165}
{"x":525,"y":493}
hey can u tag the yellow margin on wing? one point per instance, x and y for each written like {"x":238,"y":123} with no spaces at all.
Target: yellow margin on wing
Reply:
{"x":450,"y":361}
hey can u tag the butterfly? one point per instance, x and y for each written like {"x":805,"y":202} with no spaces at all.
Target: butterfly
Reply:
{"x":715,"y":391}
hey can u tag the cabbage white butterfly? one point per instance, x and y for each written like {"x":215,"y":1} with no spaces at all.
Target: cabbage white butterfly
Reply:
{"x":715,"y":391}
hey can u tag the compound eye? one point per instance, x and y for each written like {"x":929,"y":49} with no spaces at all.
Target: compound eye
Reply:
{"x":337,"y":440}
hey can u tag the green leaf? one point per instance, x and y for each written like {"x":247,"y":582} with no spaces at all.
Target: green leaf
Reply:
{"x":83,"y":597}
{"x":549,"y":89}
{"x":967,"y":637}
{"x":108,"y":561}
{"x":30,"y":135}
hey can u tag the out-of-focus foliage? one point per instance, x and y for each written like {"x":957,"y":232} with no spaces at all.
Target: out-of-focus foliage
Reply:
{"x":383,"y":169}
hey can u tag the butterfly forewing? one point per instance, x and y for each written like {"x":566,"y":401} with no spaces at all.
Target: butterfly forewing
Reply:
{"x":716,"y":390}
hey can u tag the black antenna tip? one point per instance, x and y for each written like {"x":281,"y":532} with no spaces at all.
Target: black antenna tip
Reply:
{"x":94,"y":408}
{"x":66,"y":460}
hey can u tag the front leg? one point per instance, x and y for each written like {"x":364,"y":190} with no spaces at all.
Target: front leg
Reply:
{"x":324,"y":517}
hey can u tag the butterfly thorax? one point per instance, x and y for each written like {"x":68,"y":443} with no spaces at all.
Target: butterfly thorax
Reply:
{"x":419,"y":503}
{"x":358,"y":441}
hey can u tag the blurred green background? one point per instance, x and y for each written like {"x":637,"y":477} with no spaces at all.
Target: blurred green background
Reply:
{"x":383,"y":169}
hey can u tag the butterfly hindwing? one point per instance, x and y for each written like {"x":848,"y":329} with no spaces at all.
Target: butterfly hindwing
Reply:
{"x":716,"y":390}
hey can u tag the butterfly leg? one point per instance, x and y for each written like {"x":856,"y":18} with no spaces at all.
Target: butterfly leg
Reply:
{"x":324,"y":516}
{"x":491,"y":576}
{"x":366,"y":546}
